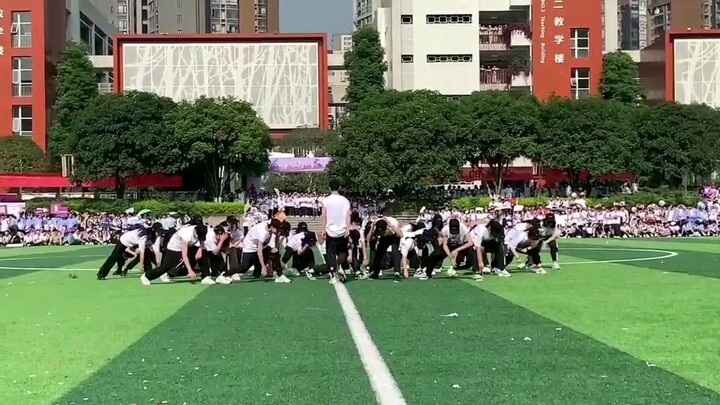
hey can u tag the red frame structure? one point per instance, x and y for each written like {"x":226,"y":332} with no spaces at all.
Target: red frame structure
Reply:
{"x":320,"y":39}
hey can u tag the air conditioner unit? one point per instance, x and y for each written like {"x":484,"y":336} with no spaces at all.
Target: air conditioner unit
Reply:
{"x":68,"y":165}
{"x":16,"y":125}
{"x":14,"y":28}
{"x":16,"y":77}
{"x":573,"y":82}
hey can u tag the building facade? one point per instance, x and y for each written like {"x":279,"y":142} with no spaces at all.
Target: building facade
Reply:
{"x":665,"y":15}
{"x":457,"y":47}
{"x":285,"y":76}
{"x":633,"y":24}
{"x":195,"y":16}
{"x":341,"y":42}
{"x":33,"y":34}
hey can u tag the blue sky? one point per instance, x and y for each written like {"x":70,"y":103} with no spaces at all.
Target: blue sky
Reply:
{"x":331,"y":16}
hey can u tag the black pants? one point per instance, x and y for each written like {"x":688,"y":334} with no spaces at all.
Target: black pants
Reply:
{"x":337,"y":253}
{"x":149,"y":260}
{"x":300,"y":261}
{"x":116,"y":258}
{"x":496,"y":249}
{"x":173,"y":265}
{"x":211,"y":263}
{"x":438,"y":256}
{"x":383,"y":244}
{"x":535,"y":253}
{"x":249,"y":259}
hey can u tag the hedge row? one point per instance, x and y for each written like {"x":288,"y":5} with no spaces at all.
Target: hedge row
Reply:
{"x":671,"y":198}
{"x":156,"y":206}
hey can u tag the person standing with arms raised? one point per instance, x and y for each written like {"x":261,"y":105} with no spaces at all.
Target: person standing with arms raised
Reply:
{"x":336,"y":228}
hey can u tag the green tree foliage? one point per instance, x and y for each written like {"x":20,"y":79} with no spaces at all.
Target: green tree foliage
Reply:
{"x":303,"y":141}
{"x":19,"y":154}
{"x":365,"y":66}
{"x":76,"y":88}
{"x":496,"y":128}
{"x":399,"y":141}
{"x":122,"y":135}
{"x":225,"y":138}
{"x":592,"y":134}
{"x":677,"y":141}
{"x":619,"y":78}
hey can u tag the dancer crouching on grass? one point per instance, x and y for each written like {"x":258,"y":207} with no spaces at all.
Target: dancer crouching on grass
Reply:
{"x":183,"y":250}
{"x":131,"y":243}
{"x":336,"y":221}
{"x":252,"y":253}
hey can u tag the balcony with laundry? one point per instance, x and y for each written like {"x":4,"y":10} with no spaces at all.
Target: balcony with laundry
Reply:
{"x":515,"y":75}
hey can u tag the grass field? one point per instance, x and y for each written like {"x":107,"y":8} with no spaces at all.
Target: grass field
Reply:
{"x":623,"y":322}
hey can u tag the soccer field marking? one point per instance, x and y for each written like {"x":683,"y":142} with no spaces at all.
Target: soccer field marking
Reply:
{"x":14,"y":259}
{"x":383,"y":384}
{"x":665,"y":254}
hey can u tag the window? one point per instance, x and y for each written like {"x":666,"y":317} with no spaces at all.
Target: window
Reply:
{"x":407,"y":59}
{"x":121,"y":9}
{"x":22,"y":120}
{"x":449,"y":19}
{"x":179,"y":18}
{"x":449,"y":58}
{"x":179,"y":3}
{"x":21,"y":29}
{"x":406,"y":19}
{"x":580,"y":83}
{"x":22,"y":76}
{"x":580,"y":43}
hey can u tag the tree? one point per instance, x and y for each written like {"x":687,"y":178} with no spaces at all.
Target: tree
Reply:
{"x":400,"y":141}
{"x":366,"y":67}
{"x":225,"y":137}
{"x":592,"y":134}
{"x":302,"y":141}
{"x":19,"y":154}
{"x":678,"y":141}
{"x":619,"y":78}
{"x":77,"y":86}
{"x":122,"y":135}
{"x":497,"y":128}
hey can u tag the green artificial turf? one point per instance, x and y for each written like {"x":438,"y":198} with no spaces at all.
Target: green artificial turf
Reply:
{"x":633,"y":332}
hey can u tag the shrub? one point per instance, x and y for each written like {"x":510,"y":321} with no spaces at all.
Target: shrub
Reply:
{"x":644,"y":198}
{"x":156,"y":206}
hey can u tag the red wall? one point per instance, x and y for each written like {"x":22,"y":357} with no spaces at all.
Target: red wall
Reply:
{"x":45,"y":14}
{"x":550,"y":77}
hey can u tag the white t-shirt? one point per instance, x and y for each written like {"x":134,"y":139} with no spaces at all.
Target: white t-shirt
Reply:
{"x":185,"y":234}
{"x":515,"y":237}
{"x":458,"y":239}
{"x":257,"y":234}
{"x":479,"y":234}
{"x":210,"y":240}
{"x":133,"y":238}
{"x":337,"y":210}
{"x":294,"y":242}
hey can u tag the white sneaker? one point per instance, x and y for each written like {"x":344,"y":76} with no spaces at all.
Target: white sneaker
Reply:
{"x":423,"y":277}
{"x":380,"y":274}
{"x":207,"y":281}
{"x":540,"y":270}
{"x":478,"y":277}
{"x":341,"y":275}
{"x":503,"y":273}
{"x":486,"y":270}
{"x":521,"y":266}
{"x":310,"y":274}
{"x":223,"y":280}
{"x":282,"y":279}
{"x":452,"y":273}
{"x":556,"y":266}
{"x":165,"y":278}
{"x":333,"y":280}
{"x":144,"y":280}
{"x":236,"y":277}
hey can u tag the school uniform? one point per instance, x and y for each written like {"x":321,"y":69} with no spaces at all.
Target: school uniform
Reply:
{"x":172,"y":262}
{"x":257,"y":235}
{"x":130,"y":239}
{"x":386,"y":240}
{"x":301,"y":254}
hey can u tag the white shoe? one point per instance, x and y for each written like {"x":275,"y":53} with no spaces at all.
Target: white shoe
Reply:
{"x":310,"y":274}
{"x":341,"y":275}
{"x":165,"y":278}
{"x":207,"y":281}
{"x":144,"y":280}
{"x":380,"y":274}
{"x":236,"y":277}
{"x":452,"y":273}
{"x":435,"y":272}
{"x":540,"y":270}
{"x":503,"y":273}
{"x":333,"y":280}
{"x":223,"y":280}
{"x":478,"y":277}
{"x":486,"y":270}
{"x":521,"y":266}
{"x":423,"y":277}
{"x":282,"y":279}
{"x":556,"y":266}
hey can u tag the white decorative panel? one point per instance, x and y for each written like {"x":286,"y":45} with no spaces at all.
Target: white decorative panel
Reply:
{"x":697,"y":71}
{"x":281,"y":80}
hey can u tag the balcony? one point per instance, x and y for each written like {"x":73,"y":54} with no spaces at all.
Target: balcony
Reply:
{"x":495,"y":78}
{"x":504,"y":37}
{"x":105,"y":88}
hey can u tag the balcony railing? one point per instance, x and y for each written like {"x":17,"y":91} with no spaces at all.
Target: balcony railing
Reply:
{"x":494,"y":79}
{"x":492,"y":39}
{"x":22,"y":41}
{"x":105,"y":88}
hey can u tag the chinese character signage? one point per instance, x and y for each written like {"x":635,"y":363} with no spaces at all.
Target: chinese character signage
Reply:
{"x":552,"y":32}
{"x":2,"y":31}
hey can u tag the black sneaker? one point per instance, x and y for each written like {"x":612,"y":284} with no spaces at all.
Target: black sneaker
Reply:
{"x":99,"y":277}
{"x":117,"y":273}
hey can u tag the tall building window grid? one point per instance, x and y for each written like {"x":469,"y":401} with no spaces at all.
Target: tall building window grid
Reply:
{"x":448,"y":19}
{"x":21,"y":29}
{"x":579,"y":83}
{"x":22,"y":123}
{"x":580,"y":43}
{"x":22,"y":76}
{"x":465,"y":58}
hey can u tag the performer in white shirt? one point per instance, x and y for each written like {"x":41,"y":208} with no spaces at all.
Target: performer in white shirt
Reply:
{"x":387,"y":232}
{"x":252,"y":253}
{"x":182,"y":253}
{"x":131,"y":243}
